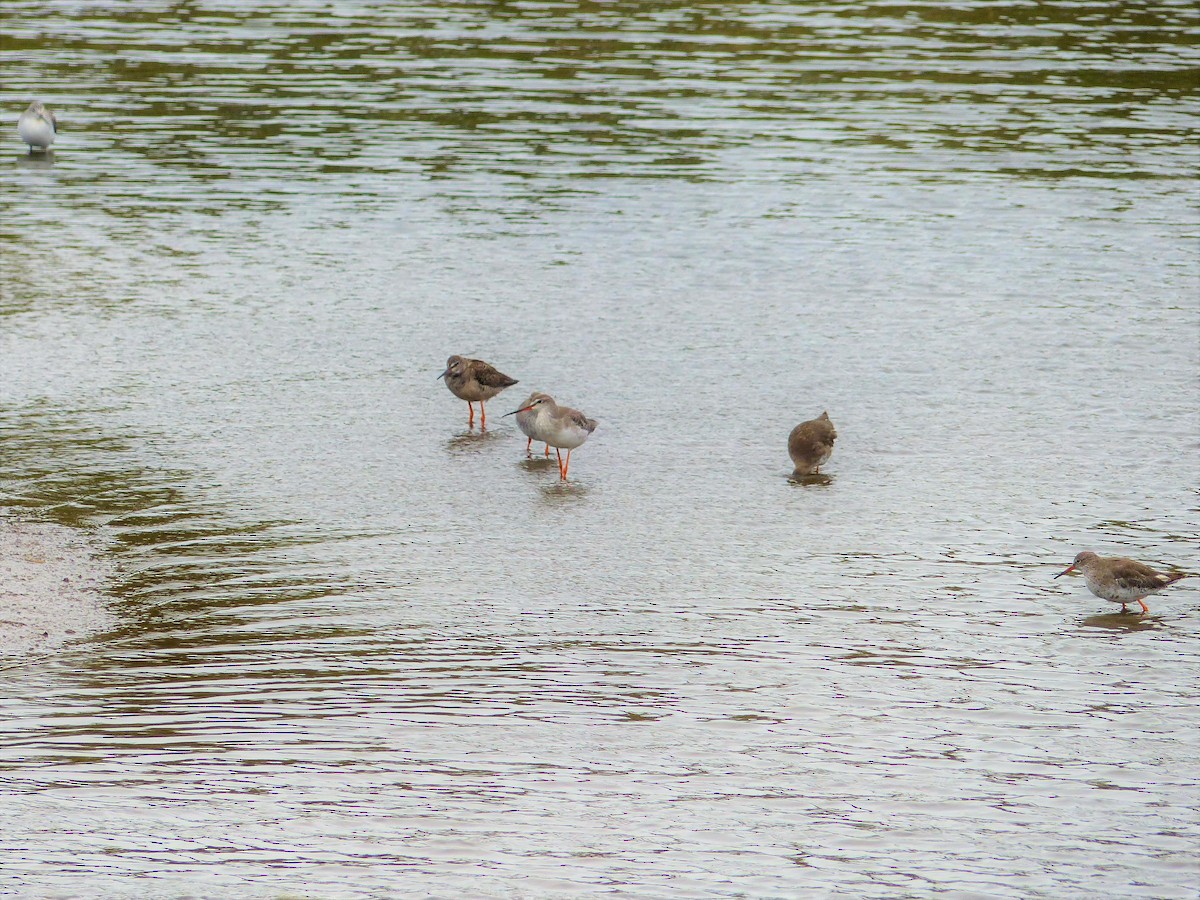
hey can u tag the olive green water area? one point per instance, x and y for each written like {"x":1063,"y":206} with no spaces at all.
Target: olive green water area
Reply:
{"x":362,"y":650}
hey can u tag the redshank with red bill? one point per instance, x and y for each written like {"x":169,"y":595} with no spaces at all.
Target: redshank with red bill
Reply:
{"x":1119,"y":579}
{"x":531,"y":419}
{"x":474,"y":380}
{"x":811,"y":444}
{"x":561,"y":427}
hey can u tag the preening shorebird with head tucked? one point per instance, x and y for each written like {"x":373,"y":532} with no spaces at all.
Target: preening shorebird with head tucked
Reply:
{"x":37,"y":126}
{"x":811,"y":444}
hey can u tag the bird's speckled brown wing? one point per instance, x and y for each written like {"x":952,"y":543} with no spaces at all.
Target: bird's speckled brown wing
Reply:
{"x":814,"y":435}
{"x":490,"y":376}
{"x":579,"y":419}
{"x":1135,"y":576}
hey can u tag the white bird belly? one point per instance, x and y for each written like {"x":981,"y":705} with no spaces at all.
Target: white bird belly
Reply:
{"x":564,"y":438}
{"x":1115,"y":593}
{"x":34,"y":131}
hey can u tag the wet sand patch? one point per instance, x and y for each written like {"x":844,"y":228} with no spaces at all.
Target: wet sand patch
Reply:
{"x":51,"y":586}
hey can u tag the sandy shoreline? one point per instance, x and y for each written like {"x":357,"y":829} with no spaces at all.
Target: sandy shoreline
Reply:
{"x":51,"y":586}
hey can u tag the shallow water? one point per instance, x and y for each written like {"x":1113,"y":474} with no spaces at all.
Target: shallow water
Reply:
{"x":363,"y":650}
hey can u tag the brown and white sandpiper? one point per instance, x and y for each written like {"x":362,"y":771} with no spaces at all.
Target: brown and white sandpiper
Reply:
{"x":531,"y":419}
{"x":474,"y":380}
{"x":811,"y":444}
{"x":1120,"y":579}
{"x":560,"y":427}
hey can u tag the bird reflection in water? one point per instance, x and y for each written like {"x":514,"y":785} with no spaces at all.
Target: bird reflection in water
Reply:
{"x":473,"y":441}
{"x":808,"y":480}
{"x":561,"y":492}
{"x":1122,"y":622}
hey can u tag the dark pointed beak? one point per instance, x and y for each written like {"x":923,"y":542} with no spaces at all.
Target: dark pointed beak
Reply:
{"x":443,"y":375}
{"x":1070,"y":568}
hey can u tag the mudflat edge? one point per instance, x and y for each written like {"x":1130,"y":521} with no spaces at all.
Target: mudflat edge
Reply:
{"x":52,"y":581}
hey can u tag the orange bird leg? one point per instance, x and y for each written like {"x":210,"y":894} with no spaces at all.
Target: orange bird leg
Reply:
{"x":1145,"y":608}
{"x":547,"y":451}
{"x":482,"y":415}
{"x":471,"y":420}
{"x":528,"y":444}
{"x":558,"y":453}
{"x":568,"y":465}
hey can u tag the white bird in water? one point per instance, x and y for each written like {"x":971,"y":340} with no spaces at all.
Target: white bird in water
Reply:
{"x":561,"y":427}
{"x":531,"y":419}
{"x":37,"y":126}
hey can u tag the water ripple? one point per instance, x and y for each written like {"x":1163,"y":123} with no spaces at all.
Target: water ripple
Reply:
{"x":357,"y":648}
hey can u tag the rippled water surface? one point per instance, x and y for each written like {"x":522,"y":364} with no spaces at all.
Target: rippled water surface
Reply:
{"x":364,"y":650}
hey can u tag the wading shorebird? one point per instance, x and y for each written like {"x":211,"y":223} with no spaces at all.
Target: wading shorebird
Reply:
{"x":37,"y":126}
{"x":811,"y":443}
{"x":560,"y":427}
{"x":1119,"y":579}
{"x":474,"y":380}
{"x":531,"y":419}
